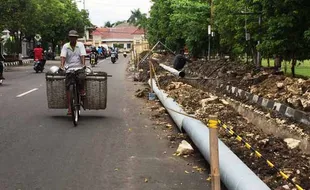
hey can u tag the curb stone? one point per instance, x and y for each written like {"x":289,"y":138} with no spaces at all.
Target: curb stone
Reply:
{"x":295,"y":114}
{"x":283,"y":109}
{"x":16,"y":63}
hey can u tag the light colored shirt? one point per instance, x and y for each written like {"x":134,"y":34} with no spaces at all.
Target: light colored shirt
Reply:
{"x":73,"y":56}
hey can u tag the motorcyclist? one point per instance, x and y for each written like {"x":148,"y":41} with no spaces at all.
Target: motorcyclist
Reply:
{"x":180,"y":61}
{"x":38,"y":53}
{"x":73,"y":56}
{"x":116,"y":52}
{"x":100,"y":50}
{"x":94,"y":50}
{"x":113,"y":51}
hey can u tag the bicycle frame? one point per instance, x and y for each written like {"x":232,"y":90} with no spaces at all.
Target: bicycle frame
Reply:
{"x":74,"y":97}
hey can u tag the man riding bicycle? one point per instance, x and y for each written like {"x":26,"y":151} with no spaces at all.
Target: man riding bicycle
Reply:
{"x":72,"y":57}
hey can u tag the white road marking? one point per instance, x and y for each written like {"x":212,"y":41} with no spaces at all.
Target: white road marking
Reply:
{"x":25,"y":93}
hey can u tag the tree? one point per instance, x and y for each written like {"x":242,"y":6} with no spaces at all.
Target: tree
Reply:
{"x":178,"y":23}
{"x":52,"y":19}
{"x":283,"y":30}
{"x":158,"y":26}
{"x":119,"y":22}
{"x":137,"y":18}
{"x":287,"y":24}
{"x":108,"y":24}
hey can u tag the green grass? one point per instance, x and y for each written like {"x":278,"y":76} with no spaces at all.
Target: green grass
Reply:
{"x":302,"y":69}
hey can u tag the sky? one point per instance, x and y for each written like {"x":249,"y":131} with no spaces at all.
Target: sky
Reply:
{"x":101,"y":11}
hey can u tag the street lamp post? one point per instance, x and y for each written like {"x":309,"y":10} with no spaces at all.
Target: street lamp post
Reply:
{"x":209,"y":45}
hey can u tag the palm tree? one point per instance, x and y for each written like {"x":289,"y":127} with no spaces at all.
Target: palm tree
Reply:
{"x":137,"y":18}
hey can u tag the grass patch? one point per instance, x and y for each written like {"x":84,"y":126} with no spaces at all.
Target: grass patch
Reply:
{"x":302,"y":68}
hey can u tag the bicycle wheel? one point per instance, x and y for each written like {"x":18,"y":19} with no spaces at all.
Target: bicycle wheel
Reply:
{"x":74,"y":105}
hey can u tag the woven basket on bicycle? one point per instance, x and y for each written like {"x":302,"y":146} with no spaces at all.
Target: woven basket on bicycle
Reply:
{"x":95,"y":86}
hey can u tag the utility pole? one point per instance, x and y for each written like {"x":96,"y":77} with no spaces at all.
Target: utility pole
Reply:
{"x":209,"y":29}
{"x":84,"y":7}
{"x":259,"y":59}
{"x":85,"y":36}
{"x":209,"y":43}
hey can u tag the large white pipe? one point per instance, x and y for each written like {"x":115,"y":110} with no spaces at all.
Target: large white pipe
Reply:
{"x":169,"y":103}
{"x":234,"y":173}
{"x":173,"y":71}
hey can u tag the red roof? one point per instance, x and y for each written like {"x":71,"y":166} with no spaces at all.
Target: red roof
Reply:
{"x":118,"y":32}
{"x":139,"y":32}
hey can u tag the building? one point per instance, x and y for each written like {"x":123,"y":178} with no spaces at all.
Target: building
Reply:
{"x":123,"y":36}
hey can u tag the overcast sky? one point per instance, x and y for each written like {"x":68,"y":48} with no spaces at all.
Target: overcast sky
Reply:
{"x":102,"y":11}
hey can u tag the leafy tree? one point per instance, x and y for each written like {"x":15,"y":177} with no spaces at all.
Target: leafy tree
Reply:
{"x":52,"y":19}
{"x":159,"y":28}
{"x":137,"y":18}
{"x":108,"y":24}
{"x":287,"y":25}
{"x":180,"y":22}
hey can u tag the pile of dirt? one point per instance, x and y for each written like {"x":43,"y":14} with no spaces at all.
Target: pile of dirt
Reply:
{"x":144,"y":67}
{"x":290,"y":161}
{"x":201,"y":103}
{"x":290,"y":91}
{"x":225,"y":71}
{"x":184,"y":94}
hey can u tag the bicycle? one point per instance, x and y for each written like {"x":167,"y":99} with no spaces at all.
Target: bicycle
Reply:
{"x":75,"y":99}
{"x":63,"y":83}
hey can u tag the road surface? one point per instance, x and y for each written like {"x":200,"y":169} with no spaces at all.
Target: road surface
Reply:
{"x":110,"y":149}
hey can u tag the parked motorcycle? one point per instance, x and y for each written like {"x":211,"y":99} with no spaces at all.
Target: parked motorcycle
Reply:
{"x":93,"y":59}
{"x":113,"y":58}
{"x":38,"y":65}
{"x":50,"y":55}
{"x":30,"y":53}
{"x":125,"y":54}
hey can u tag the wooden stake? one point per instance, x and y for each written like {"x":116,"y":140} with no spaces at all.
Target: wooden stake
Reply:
{"x":214,"y":153}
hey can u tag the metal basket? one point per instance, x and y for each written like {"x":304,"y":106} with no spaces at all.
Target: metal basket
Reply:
{"x":95,"y":86}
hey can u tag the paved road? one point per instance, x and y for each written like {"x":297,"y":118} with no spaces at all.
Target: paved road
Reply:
{"x":110,"y":149}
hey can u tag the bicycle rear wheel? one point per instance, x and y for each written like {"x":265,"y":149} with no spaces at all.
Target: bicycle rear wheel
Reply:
{"x":74,"y":104}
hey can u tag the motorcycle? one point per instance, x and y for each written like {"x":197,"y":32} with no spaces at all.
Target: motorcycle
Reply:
{"x":93,"y":59}
{"x":38,"y":66}
{"x":113,"y":58}
{"x":125,"y":54}
{"x":50,"y":55}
